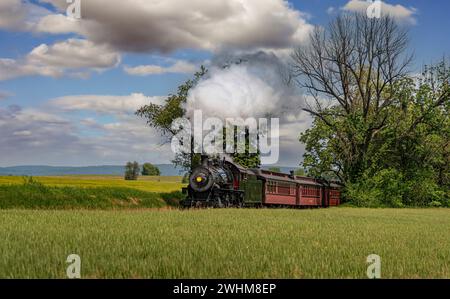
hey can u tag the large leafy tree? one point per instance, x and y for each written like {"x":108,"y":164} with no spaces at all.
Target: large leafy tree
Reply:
{"x":384,"y":134}
{"x":410,"y":155}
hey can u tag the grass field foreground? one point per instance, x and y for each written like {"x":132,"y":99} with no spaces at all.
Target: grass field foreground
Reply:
{"x":225,"y":243}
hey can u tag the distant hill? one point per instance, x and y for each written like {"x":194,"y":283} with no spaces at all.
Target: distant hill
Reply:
{"x":166,"y":170}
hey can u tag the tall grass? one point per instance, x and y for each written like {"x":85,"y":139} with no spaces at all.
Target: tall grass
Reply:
{"x":226,"y":243}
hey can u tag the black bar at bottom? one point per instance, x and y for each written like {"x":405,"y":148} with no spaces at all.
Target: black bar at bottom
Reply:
{"x":225,"y":288}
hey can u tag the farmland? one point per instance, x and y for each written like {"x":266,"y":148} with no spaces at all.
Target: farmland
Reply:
{"x":148,"y":184}
{"x":88,"y":192}
{"x":226,"y":243}
{"x":124,"y":229}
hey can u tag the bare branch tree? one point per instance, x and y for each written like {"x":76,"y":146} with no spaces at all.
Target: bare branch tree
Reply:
{"x":354,"y":64}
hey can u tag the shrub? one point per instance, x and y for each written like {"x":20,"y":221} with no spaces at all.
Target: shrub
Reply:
{"x":150,"y":169}
{"x":384,"y":189}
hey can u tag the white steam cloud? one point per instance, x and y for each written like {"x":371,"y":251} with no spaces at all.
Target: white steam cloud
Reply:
{"x":258,"y":86}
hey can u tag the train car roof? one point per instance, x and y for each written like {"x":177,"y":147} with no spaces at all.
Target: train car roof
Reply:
{"x":308,"y":182}
{"x":278,"y":176}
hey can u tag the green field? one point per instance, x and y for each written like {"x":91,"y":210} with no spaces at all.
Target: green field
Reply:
{"x":88,"y":192}
{"x":123,"y":229}
{"x":148,"y":184}
{"x":226,"y":243}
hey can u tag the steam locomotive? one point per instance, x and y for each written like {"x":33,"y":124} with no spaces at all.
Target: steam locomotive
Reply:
{"x":221,"y":183}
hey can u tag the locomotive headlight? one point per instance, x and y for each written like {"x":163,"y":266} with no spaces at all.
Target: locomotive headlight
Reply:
{"x":199,"y":179}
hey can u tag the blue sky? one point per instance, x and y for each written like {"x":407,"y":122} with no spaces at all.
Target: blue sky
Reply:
{"x":68,"y":88}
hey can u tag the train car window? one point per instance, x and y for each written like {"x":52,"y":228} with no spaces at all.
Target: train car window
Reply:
{"x":271,"y":187}
{"x":284,"y":188}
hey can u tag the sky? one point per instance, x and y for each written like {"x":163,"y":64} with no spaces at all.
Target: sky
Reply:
{"x":69,"y":87}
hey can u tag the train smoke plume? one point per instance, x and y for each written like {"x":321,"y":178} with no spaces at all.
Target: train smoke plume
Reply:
{"x":257,"y":86}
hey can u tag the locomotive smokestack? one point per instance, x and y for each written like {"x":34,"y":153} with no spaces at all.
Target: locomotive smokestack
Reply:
{"x":204,"y":159}
{"x":292,"y":174}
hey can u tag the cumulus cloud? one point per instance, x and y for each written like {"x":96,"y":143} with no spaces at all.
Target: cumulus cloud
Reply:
{"x":33,"y":134}
{"x":12,"y":14}
{"x":74,"y":53}
{"x":399,"y":12}
{"x":104,"y":104}
{"x":61,"y":137}
{"x":165,"y":26}
{"x":64,"y":132}
{"x":180,"y":66}
{"x":57,"y":24}
{"x":58,"y":134}
{"x":20,"y":15}
{"x":71,"y":57}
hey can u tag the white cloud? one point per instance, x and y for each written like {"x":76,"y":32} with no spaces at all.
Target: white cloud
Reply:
{"x":20,"y":15}
{"x":105,"y":104}
{"x":399,"y":12}
{"x":74,"y":53}
{"x":33,"y":135}
{"x":169,"y":25}
{"x":57,"y":24}
{"x":12,"y":14}
{"x":55,"y":134}
{"x":49,"y":135}
{"x":180,"y":66}
{"x":69,"y":57}
{"x":10,"y":68}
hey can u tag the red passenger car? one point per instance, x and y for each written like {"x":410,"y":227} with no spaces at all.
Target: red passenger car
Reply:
{"x":291,"y":190}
